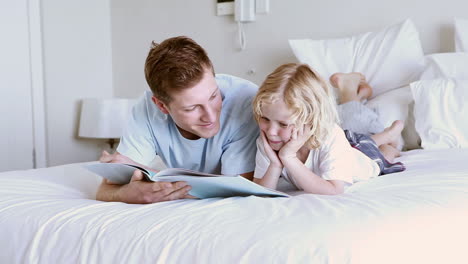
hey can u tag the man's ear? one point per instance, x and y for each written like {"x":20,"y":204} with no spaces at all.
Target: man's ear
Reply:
{"x":162,"y":106}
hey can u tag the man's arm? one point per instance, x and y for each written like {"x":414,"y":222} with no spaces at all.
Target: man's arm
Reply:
{"x":139,"y":191}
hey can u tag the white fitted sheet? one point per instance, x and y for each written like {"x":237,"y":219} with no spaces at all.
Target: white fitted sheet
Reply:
{"x":417,"y":216}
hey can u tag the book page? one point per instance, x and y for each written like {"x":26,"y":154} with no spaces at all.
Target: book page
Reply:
{"x":176,"y":171}
{"x":204,"y":185}
{"x":116,"y":172}
{"x":208,"y":187}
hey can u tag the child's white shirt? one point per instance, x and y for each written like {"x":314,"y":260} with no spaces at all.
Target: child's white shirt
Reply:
{"x":334,"y":160}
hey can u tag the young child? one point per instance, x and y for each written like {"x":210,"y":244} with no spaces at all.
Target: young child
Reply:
{"x":301,"y":140}
{"x":352,"y":92}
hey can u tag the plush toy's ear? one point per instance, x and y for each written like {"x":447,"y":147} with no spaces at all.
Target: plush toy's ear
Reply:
{"x":162,"y":106}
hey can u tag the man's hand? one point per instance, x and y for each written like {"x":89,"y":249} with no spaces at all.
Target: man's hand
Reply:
{"x":116,"y":157}
{"x":139,"y":191}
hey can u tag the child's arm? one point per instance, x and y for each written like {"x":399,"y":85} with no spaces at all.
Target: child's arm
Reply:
{"x":272,"y":174}
{"x":309,"y":181}
{"x":271,"y":177}
{"x":304,"y":177}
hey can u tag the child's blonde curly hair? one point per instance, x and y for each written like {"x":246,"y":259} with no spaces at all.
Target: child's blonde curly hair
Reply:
{"x":306,"y":94}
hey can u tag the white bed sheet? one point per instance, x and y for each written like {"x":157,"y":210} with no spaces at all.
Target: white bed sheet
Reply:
{"x":417,"y":216}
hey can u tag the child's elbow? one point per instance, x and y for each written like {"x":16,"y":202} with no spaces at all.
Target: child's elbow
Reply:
{"x":335,"y":188}
{"x":329,"y":187}
{"x":338,"y":188}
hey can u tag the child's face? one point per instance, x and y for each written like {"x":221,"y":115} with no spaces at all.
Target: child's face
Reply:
{"x":276,"y":123}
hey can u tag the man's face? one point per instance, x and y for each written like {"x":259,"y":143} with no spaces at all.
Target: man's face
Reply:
{"x":196,"y":110}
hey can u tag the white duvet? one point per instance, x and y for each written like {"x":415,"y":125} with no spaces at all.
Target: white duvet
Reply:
{"x":418,"y":216}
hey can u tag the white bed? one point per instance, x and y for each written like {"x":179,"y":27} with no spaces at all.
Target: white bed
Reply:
{"x":418,"y":216}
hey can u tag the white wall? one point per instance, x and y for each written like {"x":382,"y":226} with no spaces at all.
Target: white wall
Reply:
{"x":136,"y":23}
{"x":16,"y":134}
{"x":80,"y":49}
{"x":77,"y":64}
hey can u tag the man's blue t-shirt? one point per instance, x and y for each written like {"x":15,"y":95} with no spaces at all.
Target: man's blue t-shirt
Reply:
{"x":231,"y":151}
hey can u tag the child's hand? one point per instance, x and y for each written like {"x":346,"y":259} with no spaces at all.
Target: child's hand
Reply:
{"x":271,"y":154}
{"x":298,"y":138}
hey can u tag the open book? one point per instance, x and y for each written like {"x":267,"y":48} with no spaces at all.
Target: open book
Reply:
{"x":204,"y":185}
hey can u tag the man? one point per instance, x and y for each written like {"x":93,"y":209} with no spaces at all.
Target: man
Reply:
{"x":191,"y":118}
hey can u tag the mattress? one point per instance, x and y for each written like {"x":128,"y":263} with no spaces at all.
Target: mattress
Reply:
{"x":50,"y":215}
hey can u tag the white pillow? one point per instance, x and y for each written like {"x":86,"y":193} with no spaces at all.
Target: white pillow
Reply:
{"x":389,"y":58}
{"x":445,"y":65}
{"x":441,"y":111}
{"x":461,"y":35}
{"x":394,"y":105}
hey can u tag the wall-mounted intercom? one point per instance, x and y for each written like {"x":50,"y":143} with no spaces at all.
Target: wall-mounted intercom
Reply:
{"x":244,"y":10}
{"x":227,"y":7}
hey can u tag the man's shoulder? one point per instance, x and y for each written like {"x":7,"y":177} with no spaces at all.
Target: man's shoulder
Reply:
{"x":143,"y":101}
{"x":236,"y":113}
{"x":232,"y":85}
{"x":237,"y":92}
{"x":145,"y":110}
